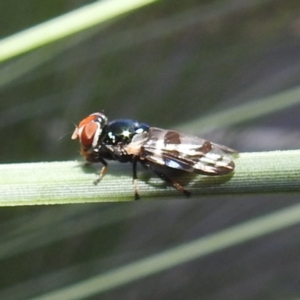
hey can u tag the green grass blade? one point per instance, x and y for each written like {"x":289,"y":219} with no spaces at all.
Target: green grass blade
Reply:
{"x":179,"y":255}
{"x":68,"y":24}
{"x":244,"y":112}
{"x":68,"y":182}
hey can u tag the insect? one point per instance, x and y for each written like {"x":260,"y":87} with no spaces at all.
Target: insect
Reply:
{"x":158,"y":149}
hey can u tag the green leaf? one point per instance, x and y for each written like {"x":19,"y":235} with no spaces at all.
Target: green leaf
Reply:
{"x":66,"y":25}
{"x":72,"y":182}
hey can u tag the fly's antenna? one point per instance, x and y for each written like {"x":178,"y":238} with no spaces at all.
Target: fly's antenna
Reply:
{"x":67,"y":133}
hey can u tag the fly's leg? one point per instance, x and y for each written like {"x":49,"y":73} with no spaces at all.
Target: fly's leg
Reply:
{"x":134,"y":178}
{"x":175,"y":184}
{"x":102,"y":171}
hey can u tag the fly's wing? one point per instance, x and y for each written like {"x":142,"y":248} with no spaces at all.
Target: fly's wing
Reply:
{"x":192,"y":154}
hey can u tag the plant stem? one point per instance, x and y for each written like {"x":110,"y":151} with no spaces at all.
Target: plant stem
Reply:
{"x":72,"y":182}
{"x":65,"y":25}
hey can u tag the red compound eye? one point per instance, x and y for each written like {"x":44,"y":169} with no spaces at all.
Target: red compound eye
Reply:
{"x":81,"y":127}
{"x":87,"y":134}
{"x":87,"y":120}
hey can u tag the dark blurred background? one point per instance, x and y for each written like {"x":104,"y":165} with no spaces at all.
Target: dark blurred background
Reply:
{"x":165,"y":64}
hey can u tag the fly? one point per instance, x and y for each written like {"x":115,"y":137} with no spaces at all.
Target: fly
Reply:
{"x":155,"y":148}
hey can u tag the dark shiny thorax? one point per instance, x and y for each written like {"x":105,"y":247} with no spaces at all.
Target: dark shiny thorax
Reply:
{"x":121,"y":132}
{"x":114,"y":137}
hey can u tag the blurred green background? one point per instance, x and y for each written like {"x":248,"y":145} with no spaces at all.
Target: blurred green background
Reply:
{"x":165,"y":64}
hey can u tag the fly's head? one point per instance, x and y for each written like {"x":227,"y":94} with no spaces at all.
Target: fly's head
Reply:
{"x":88,"y":132}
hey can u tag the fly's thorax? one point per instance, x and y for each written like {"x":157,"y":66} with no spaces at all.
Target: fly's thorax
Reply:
{"x":121,"y":132}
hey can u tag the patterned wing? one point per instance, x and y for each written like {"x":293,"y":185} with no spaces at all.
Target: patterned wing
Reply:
{"x":189,"y":153}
